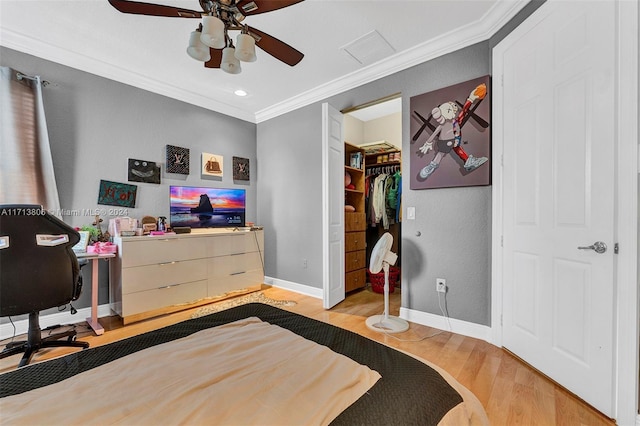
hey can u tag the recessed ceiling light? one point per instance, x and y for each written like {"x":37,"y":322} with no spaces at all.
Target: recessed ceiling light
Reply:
{"x":240,"y":92}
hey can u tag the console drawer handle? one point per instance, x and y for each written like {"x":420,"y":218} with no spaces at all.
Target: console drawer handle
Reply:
{"x":167,"y":263}
{"x":167,"y":286}
{"x":238,"y":273}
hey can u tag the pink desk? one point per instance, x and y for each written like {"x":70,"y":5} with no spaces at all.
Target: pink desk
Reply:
{"x":94,"y":257}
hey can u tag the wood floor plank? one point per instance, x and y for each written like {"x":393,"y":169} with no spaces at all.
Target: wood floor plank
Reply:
{"x":511,"y":391}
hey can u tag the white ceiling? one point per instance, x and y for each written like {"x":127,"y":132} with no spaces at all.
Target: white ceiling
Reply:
{"x":149,"y":52}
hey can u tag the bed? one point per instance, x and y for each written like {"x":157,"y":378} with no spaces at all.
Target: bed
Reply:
{"x":209,"y":370}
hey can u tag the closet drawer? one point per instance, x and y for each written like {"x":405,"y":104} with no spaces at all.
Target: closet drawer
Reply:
{"x":355,"y":241}
{"x":355,"y":260}
{"x":354,"y":222}
{"x":355,"y":279}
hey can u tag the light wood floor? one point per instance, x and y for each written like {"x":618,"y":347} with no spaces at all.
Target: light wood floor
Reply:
{"x":511,"y":392}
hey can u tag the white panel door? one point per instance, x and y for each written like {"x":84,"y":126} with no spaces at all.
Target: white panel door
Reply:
{"x":558,"y":143}
{"x":333,"y":206}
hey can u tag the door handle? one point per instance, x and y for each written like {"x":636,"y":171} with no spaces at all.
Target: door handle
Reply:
{"x":599,"y":247}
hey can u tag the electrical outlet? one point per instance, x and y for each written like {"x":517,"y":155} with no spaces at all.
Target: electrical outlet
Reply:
{"x":304,"y":264}
{"x":441,"y":285}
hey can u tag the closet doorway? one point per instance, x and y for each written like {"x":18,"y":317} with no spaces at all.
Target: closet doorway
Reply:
{"x":374,"y":132}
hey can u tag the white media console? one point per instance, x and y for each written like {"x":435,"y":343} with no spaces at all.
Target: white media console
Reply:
{"x":155,"y":275}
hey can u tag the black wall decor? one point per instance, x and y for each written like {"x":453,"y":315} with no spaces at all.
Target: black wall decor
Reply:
{"x":143,"y":171}
{"x":177,"y":160}
{"x":240,"y":168}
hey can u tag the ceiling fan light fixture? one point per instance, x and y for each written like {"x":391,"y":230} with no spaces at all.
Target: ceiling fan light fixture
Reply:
{"x":213,"y":32}
{"x":230,"y":63}
{"x":197,"y":49}
{"x":246,"y":50}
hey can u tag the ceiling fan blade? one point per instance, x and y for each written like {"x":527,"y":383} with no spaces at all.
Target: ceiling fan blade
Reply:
{"x":254,"y":7}
{"x":216,"y":58}
{"x":276,"y":48}
{"x":140,"y":8}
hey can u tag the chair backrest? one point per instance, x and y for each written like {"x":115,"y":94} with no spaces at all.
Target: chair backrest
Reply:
{"x":38,"y":268}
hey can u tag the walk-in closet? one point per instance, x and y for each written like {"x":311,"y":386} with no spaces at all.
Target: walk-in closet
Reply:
{"x":373,"y":190}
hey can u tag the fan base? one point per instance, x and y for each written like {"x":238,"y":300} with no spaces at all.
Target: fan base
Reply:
{"x":386,"y":324}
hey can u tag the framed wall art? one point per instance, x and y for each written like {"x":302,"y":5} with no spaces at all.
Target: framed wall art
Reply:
{"x":177,"y":160}
{"x":450,"y":136}
{"x":143,"y":171}
{"x":241,"y":168}
{"x":117,"y":194}
{"x":212,"y":164}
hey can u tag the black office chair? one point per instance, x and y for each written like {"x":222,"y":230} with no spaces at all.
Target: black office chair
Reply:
{"x":38,"y":271}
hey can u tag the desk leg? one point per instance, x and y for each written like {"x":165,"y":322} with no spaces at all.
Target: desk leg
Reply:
{"x":93,"y":321}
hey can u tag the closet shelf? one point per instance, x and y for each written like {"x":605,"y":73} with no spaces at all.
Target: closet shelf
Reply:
{"x":352,"y":169}
{"x":355,"y":191}
{"x":388,"y":163}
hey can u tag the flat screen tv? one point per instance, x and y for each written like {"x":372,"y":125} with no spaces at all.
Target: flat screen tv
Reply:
{"x":200,"y":207}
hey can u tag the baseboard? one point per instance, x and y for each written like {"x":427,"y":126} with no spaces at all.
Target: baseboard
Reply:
{"x":457,"y":326}
{"x":22,"y":326}
{"x":295,"y":287}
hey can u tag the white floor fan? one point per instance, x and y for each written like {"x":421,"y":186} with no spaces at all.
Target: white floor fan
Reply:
{"x":381,"y":258}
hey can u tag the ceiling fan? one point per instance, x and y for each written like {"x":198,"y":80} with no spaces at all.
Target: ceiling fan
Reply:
{"x":210,"y":42}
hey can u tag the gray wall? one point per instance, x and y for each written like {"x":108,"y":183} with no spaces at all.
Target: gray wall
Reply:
{"x":95,"y":125}
{"x":290,"y":195}
{"x":454,"y":223}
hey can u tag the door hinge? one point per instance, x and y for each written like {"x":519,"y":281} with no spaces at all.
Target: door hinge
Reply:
{"x":501,"y":240}
{"x":616,"y":248}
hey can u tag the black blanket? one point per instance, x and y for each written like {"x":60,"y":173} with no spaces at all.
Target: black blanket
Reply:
{"x":409,"y":392}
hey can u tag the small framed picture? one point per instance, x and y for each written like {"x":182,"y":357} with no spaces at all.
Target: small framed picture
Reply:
{"x":241,"y":168}
{"x":117,"y":194}
{"x":212,"y":164}
{"x":177,"y":160}
{"x":143,"y":171}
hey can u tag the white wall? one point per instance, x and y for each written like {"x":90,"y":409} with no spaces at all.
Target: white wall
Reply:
{"x":387,"y":128}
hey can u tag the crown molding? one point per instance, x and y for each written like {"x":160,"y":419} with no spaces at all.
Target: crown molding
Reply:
{"x":482,"y":29}
{"x":42,"y":49}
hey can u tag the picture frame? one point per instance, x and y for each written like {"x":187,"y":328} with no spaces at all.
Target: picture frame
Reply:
{"x":212,"y":165}
{"x":177,"y":160}
{"x":143,"y":171}
{"x":241,"y":168}
{"x":451,"y":136}
{"x":117,"y":194}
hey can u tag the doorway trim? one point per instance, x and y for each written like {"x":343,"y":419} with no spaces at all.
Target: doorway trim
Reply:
{"x":627,"y":320}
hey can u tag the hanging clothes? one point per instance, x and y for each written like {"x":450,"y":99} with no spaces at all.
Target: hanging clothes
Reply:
{"x":379,"y":207}
{"x":398,"y":179}
{"x":382,"y":195}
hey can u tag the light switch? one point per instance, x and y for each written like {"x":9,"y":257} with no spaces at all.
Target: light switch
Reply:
{"x":411,"y":213}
